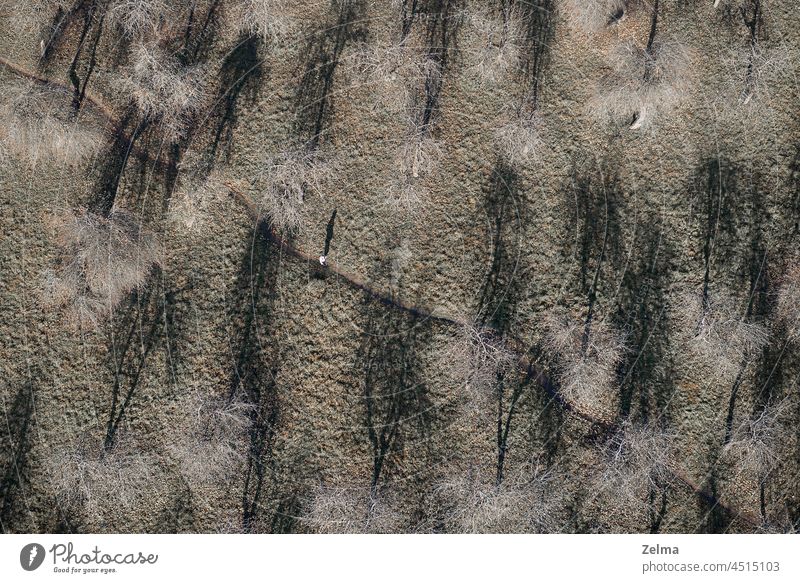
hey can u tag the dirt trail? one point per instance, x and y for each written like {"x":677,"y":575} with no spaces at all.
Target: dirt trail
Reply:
{"x":525,"y":365}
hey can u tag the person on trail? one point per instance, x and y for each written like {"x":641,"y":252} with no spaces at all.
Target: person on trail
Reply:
{"x":323,"y":259}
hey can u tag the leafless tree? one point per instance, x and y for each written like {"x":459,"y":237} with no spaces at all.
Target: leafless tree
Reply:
{"x":756,"y":441}
{"x":473,"y":358}
{"x":644,"y":84}
{"x":101,"y":260}
{"x":211,"y":443}
{"x":194,"y":204}
{"x":140,"y":18}
{"x":102,"y":486}
{"x":520,"y":139}
{"x":167,"y":94}
{"x":35,"y":125}
{"x":349,"y":509}
{"x":526,"y":502}
{"x":718,"y":336}
{"x":269,"y":19}
{"x":416,"y":160}
{"x":586,"y":355}
{"x":283,"y":182}
{"x":592,"y":16}
{"x":787,"y":308}
{"x":502,"y":35}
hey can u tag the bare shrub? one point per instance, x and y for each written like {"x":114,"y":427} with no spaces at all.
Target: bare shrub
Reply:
{"x":592,"y":16}
{"x":211,"y":443}
{"x":35,"y":125}
{"x":643,"y":84}
{"x":283,"y":182}
{"x":138,"y":18}
{"x":525,"y":502}
{"x":166,"y":92}
{"x":755,"y":442}
{"x":416,"y":161}
{"x":102,"y":259}
{"x":586,"y":357}
{"x":718,"y":336}
{"x":519,"y":140}
{"x":268,"y":19}
{"x":502,"y":38}
{"x":102,"y":485}
{"x":349,"y":510}
{"x":474,"y":358}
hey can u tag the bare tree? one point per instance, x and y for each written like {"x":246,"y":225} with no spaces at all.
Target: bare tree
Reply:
{"x":283,"y":182}
{"x":718,"y":336}
{"x":644,"y":84}
{"x":502,"y":36}
{"x":592,"y":16}
{"x":787,"y":308}
{"x":167,"y":93}
{"x":520,"y":139}
{"x":756,"y":441}
{"x":587,"y":356}
{"x":35,"y":125}
{"x":473,"y":358}
{"x":140,"y":18}
{"x":349,"y":509}
{"x":416,"y":161}
{"x":101,"y":260}
{"x":102,"y":486}
{"x":211,"y":443}
{"x":526,"y":502}
{"x":269,"y":19}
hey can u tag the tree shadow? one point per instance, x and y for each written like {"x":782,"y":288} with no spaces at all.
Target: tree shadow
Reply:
{"x":240,"y":77}
{"x":256,"y":365}
{"x":16,"y":449}
{"x":641,"y":309}
{"x":137,"y":332}
{"x":314,"y":104}
{"x":395,"y":399}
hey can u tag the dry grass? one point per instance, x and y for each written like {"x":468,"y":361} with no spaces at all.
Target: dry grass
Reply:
{"x":166,"y":93}
{"x":101,"y":486}
{"x":102,"y":259}
{"x":283,"y":183}
{"x":718,"y":336}
{"x":787,"y":308}
{"x":643,"y":85}
{"x":35,"y":125}
{"x":211,"y":444}
{"x":349,"y":510}
{"x":586,"y":360}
